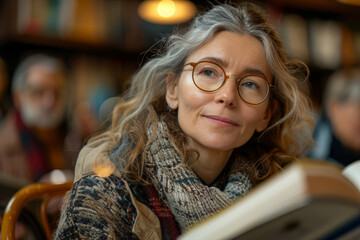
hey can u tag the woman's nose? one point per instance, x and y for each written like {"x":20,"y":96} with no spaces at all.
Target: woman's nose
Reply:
{"x":228,"y":94}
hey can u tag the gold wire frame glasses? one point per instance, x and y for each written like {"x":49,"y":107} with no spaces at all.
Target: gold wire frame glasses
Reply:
{"x":210,"y":77}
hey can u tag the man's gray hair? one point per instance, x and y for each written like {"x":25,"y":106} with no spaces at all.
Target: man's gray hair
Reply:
{"x":20,"y":75}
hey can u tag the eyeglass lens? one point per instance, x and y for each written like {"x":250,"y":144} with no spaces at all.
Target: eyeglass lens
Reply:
{"x":209,"y":77}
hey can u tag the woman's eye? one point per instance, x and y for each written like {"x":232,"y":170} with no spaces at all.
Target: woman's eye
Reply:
{"x":209,"y":73}
{"x":249,"y":84}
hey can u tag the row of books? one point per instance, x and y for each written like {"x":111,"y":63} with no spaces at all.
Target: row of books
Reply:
{"x":325,"y":43}
{"x":89,"y":21}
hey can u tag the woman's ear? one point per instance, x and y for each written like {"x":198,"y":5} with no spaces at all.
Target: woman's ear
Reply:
{"x":172,"y":91}
{"x":264,"y":122}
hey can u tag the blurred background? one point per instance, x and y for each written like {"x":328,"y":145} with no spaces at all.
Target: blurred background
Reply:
{"x":104,"y":41}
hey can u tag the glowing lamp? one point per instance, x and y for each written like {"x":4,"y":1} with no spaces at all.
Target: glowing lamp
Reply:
{"x":167,"y":11}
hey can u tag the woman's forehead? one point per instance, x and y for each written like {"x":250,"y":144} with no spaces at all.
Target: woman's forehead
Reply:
{"x":234,"y":52}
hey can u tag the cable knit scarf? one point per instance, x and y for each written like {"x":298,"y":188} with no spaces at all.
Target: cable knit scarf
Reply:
{"x":187,"y":197}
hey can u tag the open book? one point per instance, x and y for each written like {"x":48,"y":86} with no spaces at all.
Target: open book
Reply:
{"x":308,"y":200}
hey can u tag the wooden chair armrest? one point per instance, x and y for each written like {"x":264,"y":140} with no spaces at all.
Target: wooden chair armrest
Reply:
{"x":22,"y":197}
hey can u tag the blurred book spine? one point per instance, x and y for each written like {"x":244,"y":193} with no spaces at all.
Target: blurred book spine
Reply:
{"x":89,"y":21}
{"x":52,"y":25}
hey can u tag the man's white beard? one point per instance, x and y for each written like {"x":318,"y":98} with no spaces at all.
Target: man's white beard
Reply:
{"x":33,"y":116}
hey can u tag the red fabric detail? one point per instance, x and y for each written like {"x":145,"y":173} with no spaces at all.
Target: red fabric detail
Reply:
{"x":32,"y":147}
{"x":169,"y":227}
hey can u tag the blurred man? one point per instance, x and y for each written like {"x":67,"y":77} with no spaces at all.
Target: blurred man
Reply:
{"x":337,"y":134}
{"x":32,"y":135}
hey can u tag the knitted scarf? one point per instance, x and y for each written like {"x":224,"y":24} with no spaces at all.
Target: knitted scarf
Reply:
{"x":187,"y":197}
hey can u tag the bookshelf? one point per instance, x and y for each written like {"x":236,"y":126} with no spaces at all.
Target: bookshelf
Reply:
{"x":323,"y":33}
{"x":101,"y":42}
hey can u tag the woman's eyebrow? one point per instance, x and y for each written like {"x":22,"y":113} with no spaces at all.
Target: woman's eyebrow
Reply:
{"x":223,"y":63}
{"x":219,"y":61}
{"x":254,"y":71}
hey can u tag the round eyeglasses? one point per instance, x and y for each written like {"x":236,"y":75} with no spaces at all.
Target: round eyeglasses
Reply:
{"x":210,"y":77}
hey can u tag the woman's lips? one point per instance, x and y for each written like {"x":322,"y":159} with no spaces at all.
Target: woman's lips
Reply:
{"x":220,"y":120}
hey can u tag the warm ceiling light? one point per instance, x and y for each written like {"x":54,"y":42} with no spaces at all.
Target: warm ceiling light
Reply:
{"x":351,"y":2}
{"x":167,"y":11}
{"x":166,"y":8}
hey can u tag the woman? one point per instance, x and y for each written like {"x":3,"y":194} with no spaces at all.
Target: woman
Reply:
{"x":218,"y":111}
{"x":337,"y":130}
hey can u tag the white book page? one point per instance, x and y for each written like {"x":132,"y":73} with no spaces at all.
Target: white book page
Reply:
{"x":352,"y":172}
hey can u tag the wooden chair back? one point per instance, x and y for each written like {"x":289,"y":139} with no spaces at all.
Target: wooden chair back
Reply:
{"x":43,"y":191}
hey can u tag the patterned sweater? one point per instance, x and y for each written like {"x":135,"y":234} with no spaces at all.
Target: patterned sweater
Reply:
{"x":110,"y":208}
{"x":102,"y":208}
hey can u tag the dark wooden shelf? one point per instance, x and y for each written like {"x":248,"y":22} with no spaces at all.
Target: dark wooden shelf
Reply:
{"x":328,"y":6}
{"x":54,"y":42}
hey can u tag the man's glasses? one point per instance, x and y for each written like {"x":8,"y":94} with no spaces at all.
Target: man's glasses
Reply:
{"x":209,"y":77}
